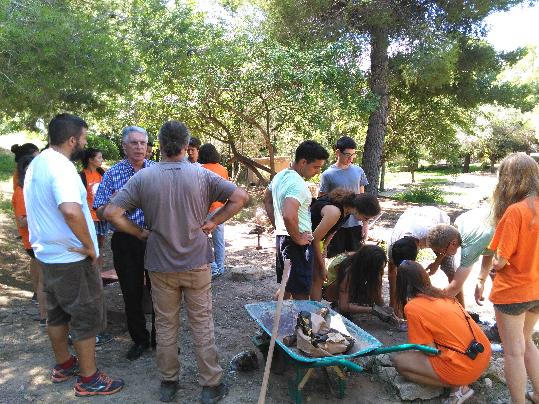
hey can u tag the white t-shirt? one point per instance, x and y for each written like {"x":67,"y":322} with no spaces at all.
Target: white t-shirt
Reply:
{"x":417,"y":221}
{"x":51,"y":180}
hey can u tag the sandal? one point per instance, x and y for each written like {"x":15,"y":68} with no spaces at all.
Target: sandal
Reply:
{"x":459,"y":396}
{"x":529,"y":397}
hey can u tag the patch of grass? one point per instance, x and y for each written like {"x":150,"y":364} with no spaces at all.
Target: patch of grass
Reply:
{"x":5,"y":205}
{"x":7,"y":164}
{"x":422,"y":194}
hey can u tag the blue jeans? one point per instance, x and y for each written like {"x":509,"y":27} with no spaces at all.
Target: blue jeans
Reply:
{"x":218,"y":239}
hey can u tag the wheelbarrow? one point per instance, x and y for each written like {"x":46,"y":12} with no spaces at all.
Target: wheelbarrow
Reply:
{"x":304,"y":366}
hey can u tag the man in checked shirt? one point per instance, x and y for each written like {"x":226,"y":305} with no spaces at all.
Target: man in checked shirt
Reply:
{"x":127,"y":250}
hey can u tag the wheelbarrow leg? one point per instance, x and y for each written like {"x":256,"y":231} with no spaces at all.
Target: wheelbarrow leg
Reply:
{"x":296,"y":385}
{"x":338,"y":386}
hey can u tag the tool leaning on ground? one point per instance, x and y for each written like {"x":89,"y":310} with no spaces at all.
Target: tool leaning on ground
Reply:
{"x":274,"y":333}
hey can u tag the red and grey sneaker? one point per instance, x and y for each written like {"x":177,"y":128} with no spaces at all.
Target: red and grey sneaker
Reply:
{"x":60,"y":375}
{"x":100,"y":384}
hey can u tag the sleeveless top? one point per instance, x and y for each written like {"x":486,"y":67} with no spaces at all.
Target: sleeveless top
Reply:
{"x":316,"y":214}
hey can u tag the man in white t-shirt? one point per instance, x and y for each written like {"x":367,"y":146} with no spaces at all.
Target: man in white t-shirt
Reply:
{"x":64,"y":241}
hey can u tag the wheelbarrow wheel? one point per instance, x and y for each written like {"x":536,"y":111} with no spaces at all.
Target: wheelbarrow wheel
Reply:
{"x":335,"y":383}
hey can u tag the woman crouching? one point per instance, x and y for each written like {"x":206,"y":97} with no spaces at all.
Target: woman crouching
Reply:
{"x":438,"y":320}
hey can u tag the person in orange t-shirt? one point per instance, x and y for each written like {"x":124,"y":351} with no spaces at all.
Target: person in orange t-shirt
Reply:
{"x":515,"y":289}
{"x":91,"y":177}
{"x":19,"y":210}
{"x":464,"y":349}
{"x":209,"y":157}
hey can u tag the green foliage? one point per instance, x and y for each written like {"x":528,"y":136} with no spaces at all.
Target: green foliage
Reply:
{"x":59,"y":55}
{"x":108,"y":147}
{"x":429,"y":194}
{"x":7,"y":164}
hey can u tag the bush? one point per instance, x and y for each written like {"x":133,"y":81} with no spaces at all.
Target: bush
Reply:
{"x":107,"y":146}
{"x":422,"y":194}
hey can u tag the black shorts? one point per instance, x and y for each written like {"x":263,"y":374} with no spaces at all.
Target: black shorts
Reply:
{"x":344,"y":240}
{"x":301,"y":262}
{"x":74,"y":294}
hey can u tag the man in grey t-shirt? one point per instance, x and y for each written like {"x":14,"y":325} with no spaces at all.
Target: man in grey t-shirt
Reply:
{"x":344,"y":174}
{"x":175,"y":197}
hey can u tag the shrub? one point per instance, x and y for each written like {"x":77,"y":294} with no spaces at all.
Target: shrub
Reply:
{"x":422,"y":194}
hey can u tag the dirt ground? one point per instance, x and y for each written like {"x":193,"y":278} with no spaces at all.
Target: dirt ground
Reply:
{"x":26,"y":357}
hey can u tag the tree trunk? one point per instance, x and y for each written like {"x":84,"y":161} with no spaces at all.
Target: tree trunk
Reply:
{"x":381,"y":188}
{"x":412,"y":171}
{"x":466,"y":165}
{"x":374,"y":142}
{"x":492,"y":168}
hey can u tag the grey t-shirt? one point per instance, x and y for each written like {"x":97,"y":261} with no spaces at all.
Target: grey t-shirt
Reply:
{"x":175,"y":198}
{"x":350,"y":178}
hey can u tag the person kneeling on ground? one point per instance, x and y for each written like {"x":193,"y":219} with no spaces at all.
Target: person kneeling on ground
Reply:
{"x":356,"y":281}
{"x":464,"y":349}
{"x":328,"y":213}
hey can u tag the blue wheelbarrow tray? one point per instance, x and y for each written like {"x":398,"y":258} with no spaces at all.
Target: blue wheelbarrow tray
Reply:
{"x":365,"y":344}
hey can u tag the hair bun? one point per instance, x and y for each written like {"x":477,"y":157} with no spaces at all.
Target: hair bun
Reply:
{"x":15,"y":148}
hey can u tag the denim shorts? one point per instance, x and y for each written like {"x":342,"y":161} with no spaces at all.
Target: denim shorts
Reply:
{"x":516,"y":309}
{"x":301,"y":264}
{"x":74,"y":294}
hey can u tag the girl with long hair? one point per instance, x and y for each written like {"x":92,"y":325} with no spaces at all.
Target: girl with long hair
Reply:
{"x":328,"y":213}
{"x":91,"y":176}
{"x":515,"y":288}
{"x":358,"y":282}
{"x":438,"y":320}
{"x":19,"y":209}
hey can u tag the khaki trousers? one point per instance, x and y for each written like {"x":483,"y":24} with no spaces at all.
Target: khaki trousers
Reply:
{"x":168,"y":288}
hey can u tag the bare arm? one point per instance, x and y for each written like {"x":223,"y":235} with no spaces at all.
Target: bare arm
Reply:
{"x":72,"y":213}
{"x":116,"y":215}
{"x":486,"y":265}
{"x":455,"y":286}
{"x":234,"y":203}
{"x":291,"y":222}
{"x":498,"y":262}
{"x":268,"y":205}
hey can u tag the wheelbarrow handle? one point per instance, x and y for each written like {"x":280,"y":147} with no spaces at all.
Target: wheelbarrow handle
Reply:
{"x":339,"y":362}
{"x":405,"y":347}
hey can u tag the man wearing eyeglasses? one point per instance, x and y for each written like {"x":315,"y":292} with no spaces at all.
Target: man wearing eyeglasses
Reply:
{"x":345,"y":174}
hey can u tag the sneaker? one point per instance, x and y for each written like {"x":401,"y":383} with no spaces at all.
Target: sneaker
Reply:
{"x":60,"y":375}
{"x":101,"y":339}
{"x":43,"y":322}
{"x":34,"y":298}
{"x":168,"y":390}
{"x":213,"y":394}
{"x":101,"y":384}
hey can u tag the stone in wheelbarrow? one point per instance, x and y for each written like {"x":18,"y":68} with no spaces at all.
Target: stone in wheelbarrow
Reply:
{"x":249,"y":273}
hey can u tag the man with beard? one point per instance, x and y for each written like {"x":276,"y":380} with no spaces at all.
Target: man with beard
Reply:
{"x":127,"y":250}
{"x":64,"y":241}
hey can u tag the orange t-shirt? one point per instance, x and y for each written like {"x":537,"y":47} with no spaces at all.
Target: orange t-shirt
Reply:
{"x":20,"y":210}
{"x":221,"y":171}
{"x":15,"y":179}
{"x":442,"y":321}
{"x":517,"y":240}
{"x":92,"y":183}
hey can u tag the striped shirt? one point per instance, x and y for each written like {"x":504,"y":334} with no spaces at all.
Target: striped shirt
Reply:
{"x":113,"y":180}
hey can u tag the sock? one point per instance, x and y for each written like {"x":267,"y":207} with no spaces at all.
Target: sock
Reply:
{"x":68,"y":363}
{"x":86,"y":379}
